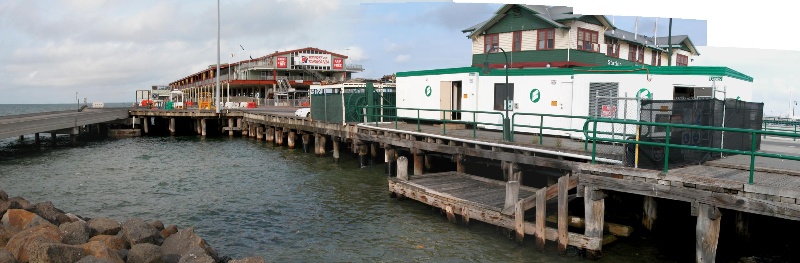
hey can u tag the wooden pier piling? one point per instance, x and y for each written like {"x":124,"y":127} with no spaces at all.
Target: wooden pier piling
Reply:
{"x":305,"y":142}
{"x":418,"y":165}
{"x":541,"y":210}
{"x":402,"y":168}
{"x":172,"y":126}
{"x":459,"y":163}
{"x":594,"y":209}
{"x":362,"y":155}
{"x":36,"y":139}
{"x":388,"y":159}
{"x":291,"y":139}
{"x":373,"y":153}
{"x":230,"y":127}
{"x":260,"y":133}
{"x":271,"y":134}
{"x":322,"y":142}
{"x":335,"y":150}
{"x":649,"y":212}
{"x":146,"y":125}
{"x":563,"y":237}
{"x":203,"y":127}
{"x":707,"y":232}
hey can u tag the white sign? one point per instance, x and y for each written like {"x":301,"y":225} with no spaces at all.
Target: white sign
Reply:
{"x":313,"y":59}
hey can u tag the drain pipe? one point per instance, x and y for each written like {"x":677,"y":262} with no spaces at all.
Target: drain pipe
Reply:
{"x":578,"y":156}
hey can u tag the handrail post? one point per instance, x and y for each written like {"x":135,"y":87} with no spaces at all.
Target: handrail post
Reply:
{"x":474,"y":125}
{"x":752,"y":156}
{"x":666,"y":149}
{"x":444,"y":123}
{"x":418,"y":129}
{"x":541,"y":124}
{"x":594,"y":140}
{"x":512,"y":126}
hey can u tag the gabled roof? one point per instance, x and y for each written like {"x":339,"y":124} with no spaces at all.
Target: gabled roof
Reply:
{"x":659,"y":43}
{"x":552,"y":15}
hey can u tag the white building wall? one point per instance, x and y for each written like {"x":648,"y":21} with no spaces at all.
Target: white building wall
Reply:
{"x":411,"y":94}
{"x":477,"y":45}
{"x":529,"y":38}
{"x":505,"y":41}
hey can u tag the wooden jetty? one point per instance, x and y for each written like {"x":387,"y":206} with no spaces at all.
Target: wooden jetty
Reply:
{"x":406,"y":148}
{"x":59,"y":122}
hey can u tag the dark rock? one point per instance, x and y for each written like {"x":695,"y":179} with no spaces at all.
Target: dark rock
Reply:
{"x":113,"y":242}
{"x":101,"y":251}
{"x":93,"y":259}
{"x":75,"y":233}
{"x":136,"y":231}
{"x":145,"y":253}
{"x":21,"y":219}
{"x":20,"y":244}
{"x":4,"y":206}
{"x":7,"y":257}
{"x":158,"y":225}
{"x":123,"y":253}
{"x":248,"y":260}
{"x":185,"y":242}
{"x":3,"y":196}
{"x":53,"y":252}
{"x":170,"y":230}
{"x":19,"y":203}
{"x":104,"y":226}
{"x":47,"y":211}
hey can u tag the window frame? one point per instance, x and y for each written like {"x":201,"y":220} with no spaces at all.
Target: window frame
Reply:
{"x":549,"y":43}
{"x":493,"y":39}
{"x":594,"y":39}
{"x":685,"y":60}
{"x":612,"y":47}
{"x":516,"y":41}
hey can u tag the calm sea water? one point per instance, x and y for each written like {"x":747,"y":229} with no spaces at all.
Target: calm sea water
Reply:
{"x":249,"y":198}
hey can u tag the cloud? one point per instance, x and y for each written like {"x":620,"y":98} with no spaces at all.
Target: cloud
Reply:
{"x":402,"y":58}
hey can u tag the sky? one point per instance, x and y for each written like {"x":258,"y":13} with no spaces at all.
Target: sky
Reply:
{"x":104,"y":50}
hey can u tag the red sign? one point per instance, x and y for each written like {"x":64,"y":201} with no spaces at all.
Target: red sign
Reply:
{"x":338,"y":63}
{"x":281,"y":62}
{"x":608,"y":111}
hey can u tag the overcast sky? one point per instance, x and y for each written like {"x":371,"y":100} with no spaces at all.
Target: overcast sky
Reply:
{"x":107,"y":49}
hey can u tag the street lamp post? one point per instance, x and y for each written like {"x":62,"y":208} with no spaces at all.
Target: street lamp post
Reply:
{"x":507,"y":102}
{"x":216,"y":101}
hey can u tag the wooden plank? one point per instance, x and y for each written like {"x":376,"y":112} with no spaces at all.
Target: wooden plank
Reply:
{"x":552,"y":192}
{"x":562,"y":215}
{"x":611,"y":228}
{"x":672,"y":175}
{"x":512,"y":197}
{"x":540,"y":214}
{"x":594,"y":208}
{"x":771,"y":190}
{"x":722,"y":200}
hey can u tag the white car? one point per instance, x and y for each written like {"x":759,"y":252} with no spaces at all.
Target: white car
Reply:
{"x":303,"y":112}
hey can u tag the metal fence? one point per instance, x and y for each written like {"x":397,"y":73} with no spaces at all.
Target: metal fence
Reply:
{"x":729,"y":113}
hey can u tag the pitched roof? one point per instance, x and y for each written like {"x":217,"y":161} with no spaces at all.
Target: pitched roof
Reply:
{"x":550,"y":14}
{"x":659,"y":43}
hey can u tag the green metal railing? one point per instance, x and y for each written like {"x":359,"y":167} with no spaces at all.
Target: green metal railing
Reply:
{"x":667,"y":145}
{"x":788,"y":126}
{"x":542,"y":127}
{"x":474,"y":123}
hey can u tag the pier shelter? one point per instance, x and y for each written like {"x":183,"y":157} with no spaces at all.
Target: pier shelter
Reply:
{"x":277,"y":79}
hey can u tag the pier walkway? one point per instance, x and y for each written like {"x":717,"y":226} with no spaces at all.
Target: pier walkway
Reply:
{"x":62,"y":122}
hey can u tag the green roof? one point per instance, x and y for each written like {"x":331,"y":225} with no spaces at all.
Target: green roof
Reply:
{"x":655,"y":70}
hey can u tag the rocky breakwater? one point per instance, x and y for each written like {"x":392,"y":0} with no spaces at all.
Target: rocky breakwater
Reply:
{"x":41,"y":233}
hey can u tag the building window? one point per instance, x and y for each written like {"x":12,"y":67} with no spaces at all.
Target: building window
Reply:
{"x":636,"y":53}
{"x":491,"y":41}
{"x":612,"y":47}
{"x":500,"y":95}
{"x":683,"y":60}
{"x":517,"y":43}
{"x":587,"y":40}
{"x":546,"y":38}
{"x":656,"y":58}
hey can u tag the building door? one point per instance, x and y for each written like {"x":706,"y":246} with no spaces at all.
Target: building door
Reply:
{"x":456,"y":99}
{"x":565,"y":99}
{"x":445,"y":99}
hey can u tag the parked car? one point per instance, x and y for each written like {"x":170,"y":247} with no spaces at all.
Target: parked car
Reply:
{"x":303,"y":112}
